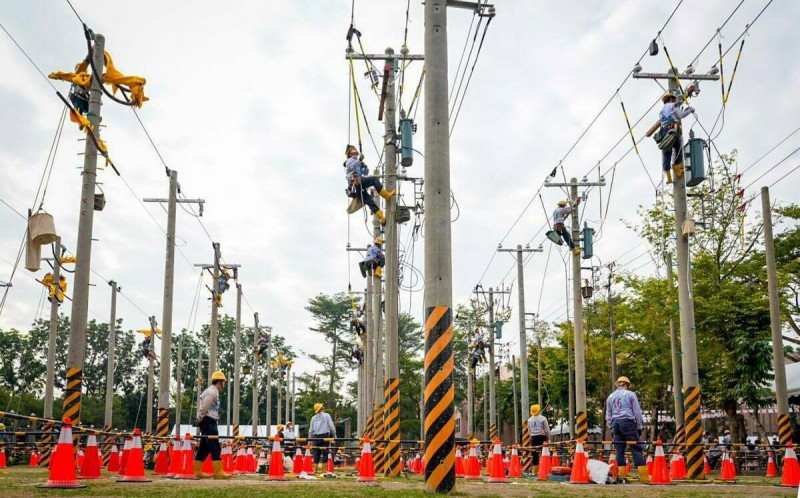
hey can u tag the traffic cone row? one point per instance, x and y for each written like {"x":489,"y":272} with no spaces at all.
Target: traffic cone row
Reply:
{"x":276,"y":472}
{"x":91,"y":460}
{"x":62,"y":466}
{"x":580,"y":471}
{"x":677,"y":466}
{"x":791,"y":469}
{"x":366,"y":469}
{"x":515,"y":466}
{"x":497,"y":473}
{"x":660,"y":473}
{"x":460,"y":472}
{"x":186,"y":458}
{"x":727,"y":470}
{"x":544,"y":462}
{"x":162,"y":461}
{"x":473,"y":464}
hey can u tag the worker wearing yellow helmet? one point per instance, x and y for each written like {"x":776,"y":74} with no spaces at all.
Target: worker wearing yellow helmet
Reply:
{"x":207,"y":417}
{"x":624,"y":418}
{"x":539,"y":430}
{"x":374,"y":261}
{"x":320,"y":428}
{"x":358,"y":183}
{"x":560,"y":214}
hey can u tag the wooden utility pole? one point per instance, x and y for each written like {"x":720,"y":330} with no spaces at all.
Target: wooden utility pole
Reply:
{"x":83,"y":252}
{"x":778,"y":365}
{"x":165,"y":370}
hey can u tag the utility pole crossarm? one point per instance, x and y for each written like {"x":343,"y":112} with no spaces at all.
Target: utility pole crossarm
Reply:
{"x":670,"y":76}
{"x":384,"y":57}
{"x":179,"y":201}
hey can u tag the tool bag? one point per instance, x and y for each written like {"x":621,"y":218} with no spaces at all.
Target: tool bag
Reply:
{"x":665,"y":137}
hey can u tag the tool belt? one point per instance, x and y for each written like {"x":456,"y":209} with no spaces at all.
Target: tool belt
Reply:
{"x":666,"y":136}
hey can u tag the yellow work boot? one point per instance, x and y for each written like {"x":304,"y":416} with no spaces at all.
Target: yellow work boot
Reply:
{"x":535,"y":470}
{"x":380,"y":216}
{"x":623,"y":471}
{"x":379,"y":272}
{"x":198,"y":470}
{"x":678,"y":169}
{"x":669,"y":177}
{"x":644,"y":476}
{"x":576,"y":250}
{"x":387,"y":194}
{"x":218,"y":472}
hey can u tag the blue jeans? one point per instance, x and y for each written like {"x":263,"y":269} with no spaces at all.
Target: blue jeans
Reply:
{"x":677,"y":149}
{"x":564,"y":232}
{"x":624,"y":429}
{"x":366,"y":183}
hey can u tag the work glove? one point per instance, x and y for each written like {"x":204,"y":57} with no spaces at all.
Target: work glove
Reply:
{"x":691,"y":109}
{"x":361,"y":157}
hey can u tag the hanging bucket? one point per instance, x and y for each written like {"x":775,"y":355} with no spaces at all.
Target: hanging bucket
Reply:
{"x":42,"y":229}
{"x":99,"y":201}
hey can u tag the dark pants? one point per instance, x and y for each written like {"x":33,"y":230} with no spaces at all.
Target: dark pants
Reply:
{"x":537,"y":441}
{"x":208,"y":427}
{"x":320,"y":448}
{"x":676,"y":150}
{"x":562,"y":230}
{"x":625,"y":430}
{"x":366,"y":183}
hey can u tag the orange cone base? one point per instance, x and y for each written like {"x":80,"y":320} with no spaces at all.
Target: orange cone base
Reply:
{"x":275,"y":478}
{"x":61,"y":485}
{"x":89,"y":478}
{"x":134,"y":479}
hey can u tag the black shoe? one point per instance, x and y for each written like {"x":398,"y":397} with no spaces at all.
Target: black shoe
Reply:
{"x":363,"y":267}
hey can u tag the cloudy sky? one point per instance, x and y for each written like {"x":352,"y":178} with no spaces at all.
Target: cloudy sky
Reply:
{"x":249,"y":103}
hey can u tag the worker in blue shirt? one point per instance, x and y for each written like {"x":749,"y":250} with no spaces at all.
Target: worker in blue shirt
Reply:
{"x":374,"y":261}
{"x":358,"y":181}
{"x":624,"y":418}
{"x":670,"y":119}
{"x":559,"y":217}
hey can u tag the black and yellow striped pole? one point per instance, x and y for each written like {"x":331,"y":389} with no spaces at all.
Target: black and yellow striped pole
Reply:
{"x":391,"y":423}
{"x":47,"y":442}
{"x":439,"y":396}
{"x":106,"y":450}
{"x":526,"y":457}
{"x":378,"y":453}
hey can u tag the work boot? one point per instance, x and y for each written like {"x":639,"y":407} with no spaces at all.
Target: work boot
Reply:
{"x":535,"y":470}
{"x":379,"y":272}
{"x":644,"y":476}
{"x":678,"y":169}
{"x":218,"y":472}
{"x":362,"y":265}
{"x":381,"y":217}
{"x":669,"y":177}
{"x":387,"y":194}
{"x":576,"y":250}
{"x":198,"y":470}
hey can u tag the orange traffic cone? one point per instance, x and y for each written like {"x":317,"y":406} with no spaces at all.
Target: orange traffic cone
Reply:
{"x":612,"y":462}
{"x":706,"y":467}
{"x":78,"y":458}
{"x":677,"y":466}
{"x":580,"y":472}
{"x":186,"y":458}
{"x":554,"y":461}
{"x":253,"y":462}
{"x":113,"y":459}
{"x":791,"y":470}
{"x":358,"y":463}
{"x":297,"y":464}
{"x":648,"y":464}
{"x":544,"y":462}
{"x":123,"y":460}
{"x":600,"y":455}
{"x":62,"y":465}
{"x":459,"y":463}
{"x":276,"y":472}
{"x":515,"y":468}
{"x":660,"y":473}
{"x":3,"y":461}
{"x":162,"y":461}
{"x":207,"y":468}
{"x":329,"y":467}
{"x":727,"y":472}
{"x":240,"y":463}
{"x":227,"y":458}
{"x":366,"y":470}
{"x":32,"y":459}
{"x":91,"y":460}
{"x":473,"y":464}
{"x":772,"y":470}
{"x":308,"y":462}
{"x":176,"y":457}
{"x":134,"y":468}
{"x":497,"y":473}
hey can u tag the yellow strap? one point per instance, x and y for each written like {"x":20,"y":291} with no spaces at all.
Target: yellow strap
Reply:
{"x":355,"y":97}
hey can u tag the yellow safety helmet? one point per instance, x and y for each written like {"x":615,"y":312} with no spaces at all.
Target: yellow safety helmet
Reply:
{"x":667,"y":97}
{"x":378,"y":240}
{"x":218,"y":375}
{"x":562,"y":203}
{"x":317,"y":407}
{"x":535,"y":409}
{"x":280,"y":427}
{"x":623,"y":379}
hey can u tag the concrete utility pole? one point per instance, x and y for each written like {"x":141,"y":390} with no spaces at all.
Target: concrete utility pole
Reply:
{"x":179,"y":385}
{"x":514,"y":390}
{"x":369,"y":361}
{"x":269,"y":385}
{"x":485,"y":405}
{"x":165,"y":371}
{"x":677,"y":381}
{"x":690,"y":373}
{"x":150,"y":377}
{"x":217,"y":268}
{"x":237,"y":359}
{"x":611,"y":320}
{"x":83,"y":252}
{"x":523,"y":345}
{"x":254,"y":406}
{"x":535,"y":330}
{"x":294,"y":398}
{"x":470,"y":390}
{"x":778,"y":366}
{"x":108,"y":422}
{"x":377,"y":357}
{"x":51,"y":340}
{"x":493,"y":416}
{"x":288,"y":396}
{"x":581,"y":421}
{"x":570,"y":370}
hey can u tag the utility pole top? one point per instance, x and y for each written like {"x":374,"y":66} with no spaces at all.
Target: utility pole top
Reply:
{"x":229,"y":266}
{"x":670,"y":76}
{"x":527,"y":248}
{"x":384,"y":57}
{"x":583,"y":183}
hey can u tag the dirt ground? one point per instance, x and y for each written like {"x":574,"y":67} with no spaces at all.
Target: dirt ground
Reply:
{"x":22,"y":481}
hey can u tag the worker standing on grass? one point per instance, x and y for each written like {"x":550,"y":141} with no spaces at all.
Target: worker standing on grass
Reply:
{"x":207,"y":416}
{"x":624,"y":418}
{"x":320,"y":428}
{"x":358,"y":182}
{"x":539,"y":430}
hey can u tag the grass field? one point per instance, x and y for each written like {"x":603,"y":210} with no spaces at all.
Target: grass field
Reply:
{"x":22,"y":481}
